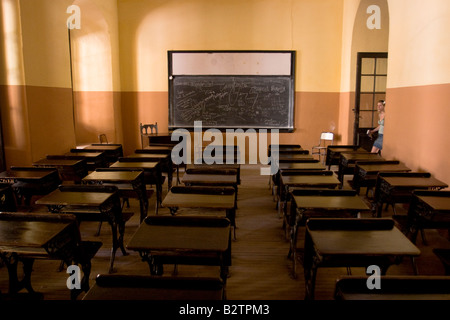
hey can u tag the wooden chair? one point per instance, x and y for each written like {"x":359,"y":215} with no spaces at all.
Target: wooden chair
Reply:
{"x":326,"y":139}
{"x":144,"y":130}
{"x":102,"y":138}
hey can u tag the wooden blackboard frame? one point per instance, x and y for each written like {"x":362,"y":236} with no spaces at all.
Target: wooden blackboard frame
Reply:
{"x":259,"y":72}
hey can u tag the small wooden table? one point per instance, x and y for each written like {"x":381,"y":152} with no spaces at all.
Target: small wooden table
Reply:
{"x":68,"y":169}
{"x":91,"y":203}
{"x":347,"y":162}
{"x":152,"y":175}
{"x":183,"y":240}
{"x":25,"y":237}
{"x":29,"y":181}
{"x":212,"y":198}
{"x":320,"y":203}
{"x":150,"y":288}
{"x":123,"y":180}
{"x":348,"y":242}
{"x":397,"y":187}
{"x":366,"y":172}
{"x":294,"y":157}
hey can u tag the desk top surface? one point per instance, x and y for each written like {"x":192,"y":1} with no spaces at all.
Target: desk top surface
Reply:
{"x":301,"y":166}
{"x":92,"y":154}
{"x":295,"y":156}
{"x":180,"y":238}
{"x":125,"y":176}
{"x":331,"y":202}
{"x":25,"y":174}
{"x":354,"y":156}
{"x":34,"y":234}
{"x":383,"y":167}
{"x":193,"y":200}
{"x":133,"y":164}
{"x":363,"y":242}
{"x":437,"y":203}
{"x":104,"y":147}
{"x":75,"y":198}
{"x":310,"y":180}
{"x":57,"y":162}
{"x":344,"y":149}
{"x":411,"y":182}
{"x":209,"y":178}
{"x":149,"y":155}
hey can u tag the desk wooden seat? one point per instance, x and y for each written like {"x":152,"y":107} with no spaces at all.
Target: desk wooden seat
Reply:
{"x":394,"y":288}
{"x":184,"y":240}
{"x":25,"y":237}
{"x":139,"y":288}
{"x":348,"y":242}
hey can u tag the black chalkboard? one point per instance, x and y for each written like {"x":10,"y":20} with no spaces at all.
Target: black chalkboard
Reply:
{"x":232,"y":102}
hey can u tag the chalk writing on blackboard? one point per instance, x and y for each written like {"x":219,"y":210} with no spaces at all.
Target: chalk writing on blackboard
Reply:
{"x":232,"y":101}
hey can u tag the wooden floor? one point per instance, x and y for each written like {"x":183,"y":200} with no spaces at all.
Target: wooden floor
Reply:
{"x":260,"y":268}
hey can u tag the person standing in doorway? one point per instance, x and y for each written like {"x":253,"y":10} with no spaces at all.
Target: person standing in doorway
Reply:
{"x":378,"y":144}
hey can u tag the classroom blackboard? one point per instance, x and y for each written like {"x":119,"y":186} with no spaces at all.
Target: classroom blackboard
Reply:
{"x":258,"y":100}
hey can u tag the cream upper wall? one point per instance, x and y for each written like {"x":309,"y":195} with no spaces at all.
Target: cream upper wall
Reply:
{"x":148,"y":29}
{"x":45,"y":42}
{"x":420,"y":28}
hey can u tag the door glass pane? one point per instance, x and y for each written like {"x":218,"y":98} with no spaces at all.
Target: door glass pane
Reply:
{"x":367,"y":84}
{"x":366,"y":101}
{"x":366,"y":119}
{"x":368,"y":66}
{"x":382,"y":66}
{"x":380,"y":84}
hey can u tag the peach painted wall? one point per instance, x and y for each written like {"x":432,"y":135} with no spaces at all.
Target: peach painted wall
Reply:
{"x":418,"y":112}
{"x":148,"y":29}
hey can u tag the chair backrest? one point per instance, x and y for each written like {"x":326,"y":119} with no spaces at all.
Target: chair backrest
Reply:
{"x":327,"y":136}
{"x":102,"y":138}
{"x":146,"y":127}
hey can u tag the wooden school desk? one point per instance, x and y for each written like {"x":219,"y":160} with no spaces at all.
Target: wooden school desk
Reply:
{"x":351,"y":242}
{"x":347,"y":162}
{"x":183,"y":240}
{"x":397,"y":187}
{"x":334,"y":153}
{"x":303,"y":179}
{"x":314,"y":203}
{"x":152,"y":175}
{"x":165,"y":160}
{"x":112,"y":151}
{"x":213,"y":199}
{"x":68,"y":169}
{"x":428,"y":209}
{"x":130,"y":184}
{"x":30,"y":181}
{"x":90,"y":203}
{"x":25,"y":237}
{"x":366,"y":172}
